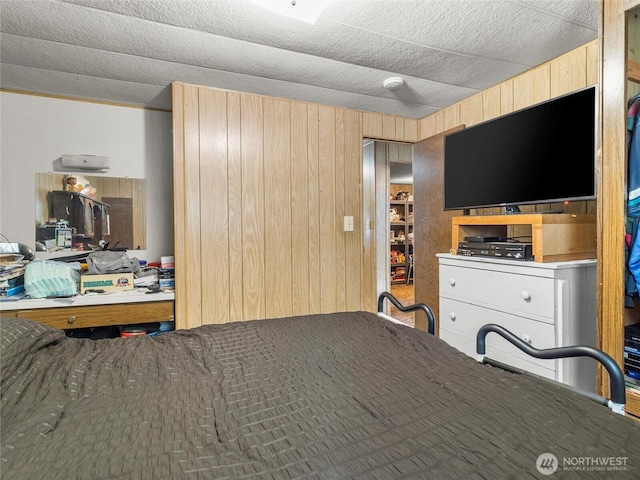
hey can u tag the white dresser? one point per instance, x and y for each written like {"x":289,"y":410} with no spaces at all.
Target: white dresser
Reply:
{"x":545,"y":304}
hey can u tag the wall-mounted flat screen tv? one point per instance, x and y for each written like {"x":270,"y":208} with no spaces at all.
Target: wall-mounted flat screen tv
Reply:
{"x":542,"y":154}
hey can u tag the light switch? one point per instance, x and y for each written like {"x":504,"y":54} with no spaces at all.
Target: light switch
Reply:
{"x":348,"y":224}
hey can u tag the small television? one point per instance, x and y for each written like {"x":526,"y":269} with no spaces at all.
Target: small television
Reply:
{"x":542,"y":154}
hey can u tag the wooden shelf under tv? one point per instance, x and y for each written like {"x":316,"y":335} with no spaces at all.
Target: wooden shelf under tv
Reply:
{"x":555,"y":237}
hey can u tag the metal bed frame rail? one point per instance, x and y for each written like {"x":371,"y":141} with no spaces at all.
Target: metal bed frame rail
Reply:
{"x":616,"y":377}
{"x":431,"y":319}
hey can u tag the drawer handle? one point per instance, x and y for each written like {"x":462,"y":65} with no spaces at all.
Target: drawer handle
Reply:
{"x":526,"y":295}
{"x":526,"y":338}
{"x":452,"y":282}
{"x":452,"y":316}
{"x":71,"y":319}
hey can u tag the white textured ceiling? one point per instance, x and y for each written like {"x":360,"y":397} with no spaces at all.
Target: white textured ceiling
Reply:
{"x":129,"y":51}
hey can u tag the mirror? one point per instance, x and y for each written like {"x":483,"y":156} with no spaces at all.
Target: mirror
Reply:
{"x":81,"y":212}
{"x":400,"y":158}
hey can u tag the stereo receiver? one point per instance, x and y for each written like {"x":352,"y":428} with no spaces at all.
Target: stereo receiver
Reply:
{"x":509,"y":250}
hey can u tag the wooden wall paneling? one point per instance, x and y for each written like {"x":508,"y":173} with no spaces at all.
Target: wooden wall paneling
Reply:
{"x":125,"y":187}
{"x":400,"y":128}
{"x":139,"y":213}
{"x":179,"y":239}
{"x":300,"y":196}
{"x":121,"y":231}
{"x":339,"y":210}
{"x":411,"y":130}
{"x":100,"y":187}
{"x":355,"y":298}
{"x":277,"y":207}
{"x":371,"y":125}
{"x":427,"y":127}
{"x":542,"y":83}
{"x":234,"y":191}
{"x":253,"y":217}
{"x":633,"y":39}
{"x":451,"y":116}
{"x":439,"y":121}
{"x":214,"y":206}
{"x":191,"y":189}
{"x":471,"y":111}
{"x":523,"y":90}
{"x":569,"y":72}
{"x":611,"y":184}
{"x":506,"y":97}
{"x":633,"y":53}
{"x":592,"y":63}
{"x":389,"y":127}
{"x":491,"y":103}
{"x":327,"y":200}
{"x":134,"y":189}
{"x":314,"y":168}
{"x":186,"y":207}
{"x":109,"y":189}
{"x":330,"y":176}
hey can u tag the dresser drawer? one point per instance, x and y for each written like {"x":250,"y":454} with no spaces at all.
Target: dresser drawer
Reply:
{"x":460,"y":322}
{"x":76,"y":317}
{"x":148,"y":312}
{"x":524,"y":295}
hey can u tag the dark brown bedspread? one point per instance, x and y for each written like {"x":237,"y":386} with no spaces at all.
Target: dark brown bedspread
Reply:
{"x":325,"y":397}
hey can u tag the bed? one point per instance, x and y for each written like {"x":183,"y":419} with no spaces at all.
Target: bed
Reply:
{"x":327,"y":396}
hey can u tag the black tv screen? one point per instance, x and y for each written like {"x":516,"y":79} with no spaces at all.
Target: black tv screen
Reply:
{"x":542,"y":154}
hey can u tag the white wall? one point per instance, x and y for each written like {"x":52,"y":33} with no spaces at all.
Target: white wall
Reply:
{"x":35,"y":131}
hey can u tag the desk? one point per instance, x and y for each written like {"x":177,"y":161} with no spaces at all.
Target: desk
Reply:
{"x":94,"y":310}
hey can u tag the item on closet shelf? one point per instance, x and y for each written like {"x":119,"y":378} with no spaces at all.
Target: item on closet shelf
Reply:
{"x":50,"y":278}
{"x":106,"y":262}
{"x":6,"y":292}
{"x":167,"y":262}
{"x":398,"y":274}
{"x":115,"y":282}
{"x":132,"y":331}
{"x":146,"y":277}
{"x":17,"y":249}
{"x":167,"y":278}
{"x":632,"y":350}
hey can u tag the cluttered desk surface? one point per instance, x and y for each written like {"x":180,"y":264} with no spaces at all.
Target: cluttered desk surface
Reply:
{"x":20,"y":302}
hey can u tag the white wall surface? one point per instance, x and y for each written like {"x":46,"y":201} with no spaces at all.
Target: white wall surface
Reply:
{"x":35,"y":131}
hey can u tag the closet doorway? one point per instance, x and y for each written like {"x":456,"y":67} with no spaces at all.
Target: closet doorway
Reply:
{"x":389,"y":164}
